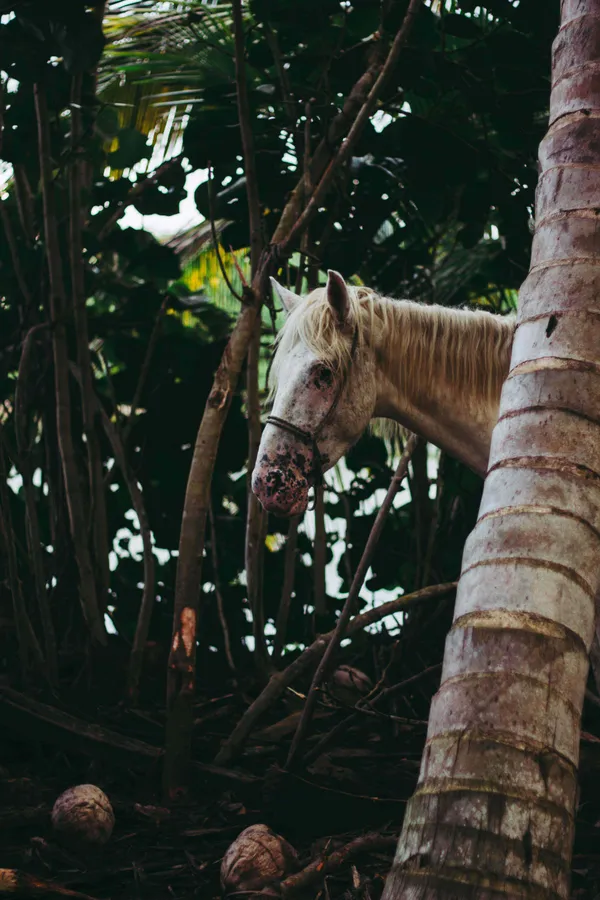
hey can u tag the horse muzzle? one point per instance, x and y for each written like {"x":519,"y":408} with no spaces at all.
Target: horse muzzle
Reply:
{"x":281,"y":490}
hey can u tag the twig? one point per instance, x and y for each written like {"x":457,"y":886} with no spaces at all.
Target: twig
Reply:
{"x":20,"y":884}
{"x":14,"y":255}
{"x":142,"y":627}
{"x":215,"y":238}
{"x":75,"y":503}
{"x":367,"y":110}
{"x":1,"y":111}
{"x":419,"y":491}
{"x":282,"y":680}
{"x":219,"y":592}
{"x":245,"y":119}
{"x":348,"y":609}
{"x":316,"y":870}
{"x":256,"y":517}
{"x":33,"y":530}
{"x":26,"y":639}
{"x":139,"y":388}
{"x":435,"y":520}
{"x":254,"y":549}
{"x":21,"y":714}
{"x":338,"y":128}
{"x":140,"y":638}
{"x":98,"y":523}
{"x":136,"y":191}
{"x":284,"y":82}
{"x":24,"y":202}
{"x":289,"y":571}
{"x":182,"y":657}
{"x":307,"y":127}
{"x":396,"y":688}
{"x":320,"y":553}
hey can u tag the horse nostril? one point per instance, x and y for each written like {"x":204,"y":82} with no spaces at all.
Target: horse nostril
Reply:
{"x":280,"y":491}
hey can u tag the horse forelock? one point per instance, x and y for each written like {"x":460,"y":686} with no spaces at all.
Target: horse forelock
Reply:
{"x":420,"y":347}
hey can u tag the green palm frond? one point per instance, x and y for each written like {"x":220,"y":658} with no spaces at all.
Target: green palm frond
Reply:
{"x":159,"y":62}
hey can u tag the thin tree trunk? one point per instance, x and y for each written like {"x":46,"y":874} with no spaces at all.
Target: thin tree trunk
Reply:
{"x":255,"y":522}
{"x":149,"y":590}
{"x":26,"y":640}
{"x":320,"y":554}
{"x":350,"y":602}
{"x":98,"y":523}
{"x":75,"y":502}
{"x":493,"y":812}
{"x":181,"y":672}
{"x":289,"y":571}
{"x":34,"y":544}
{"x":256,"y":516}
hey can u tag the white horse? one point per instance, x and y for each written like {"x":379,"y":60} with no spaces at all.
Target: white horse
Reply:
{"x":347,"y":355}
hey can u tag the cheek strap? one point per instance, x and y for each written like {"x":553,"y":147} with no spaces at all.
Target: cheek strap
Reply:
{"x":310,"y":438}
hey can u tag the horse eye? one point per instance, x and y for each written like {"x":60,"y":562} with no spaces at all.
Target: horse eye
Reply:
{"x":322,"y":376}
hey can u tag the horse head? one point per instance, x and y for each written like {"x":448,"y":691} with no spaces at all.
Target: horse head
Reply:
{"x":323,"y":396}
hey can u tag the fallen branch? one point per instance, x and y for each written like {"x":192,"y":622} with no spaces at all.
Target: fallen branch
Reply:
{"x":12,"y":881}
{"x":327,"y":863}
{"x":282,"y":680}
{"x":39,"y":722}
{"x":349,"y":605}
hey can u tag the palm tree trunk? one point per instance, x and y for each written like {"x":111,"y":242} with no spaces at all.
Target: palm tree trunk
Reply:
{"x":493,"y":812}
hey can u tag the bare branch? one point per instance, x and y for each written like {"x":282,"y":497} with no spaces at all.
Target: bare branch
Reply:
{"x":139,"y":389}
{"x":348,"y":609}
{"x":344,"y":152}
{"x":14,"y":255}
{"x":282,"y":680}
{"x":247,"y":137}
{"x":289,"y":571}
{"x":315,"y":871}
{"x":213,"y":231}
{"x":219,"y":592}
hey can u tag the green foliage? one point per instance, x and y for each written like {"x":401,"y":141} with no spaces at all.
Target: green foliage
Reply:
{"x":434,"y":205}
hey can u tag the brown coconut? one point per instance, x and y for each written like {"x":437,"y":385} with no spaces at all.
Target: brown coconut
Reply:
{"x":347,"y":685}
{"x":83,"y":817}
{"x":258,"y":860}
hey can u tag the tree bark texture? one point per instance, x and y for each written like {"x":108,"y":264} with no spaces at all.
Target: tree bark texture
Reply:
{"x":493,"y":813}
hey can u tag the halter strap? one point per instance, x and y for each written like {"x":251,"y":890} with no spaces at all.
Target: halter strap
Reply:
{"x":310,"y":438}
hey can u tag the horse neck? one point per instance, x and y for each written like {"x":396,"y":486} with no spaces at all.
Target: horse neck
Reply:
{"x":440,"y":374}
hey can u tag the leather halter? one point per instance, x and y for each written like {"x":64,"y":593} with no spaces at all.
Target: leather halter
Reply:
{"x":310,"y":438}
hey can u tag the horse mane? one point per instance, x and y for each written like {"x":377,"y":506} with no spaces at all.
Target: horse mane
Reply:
{"x":424,"y":345}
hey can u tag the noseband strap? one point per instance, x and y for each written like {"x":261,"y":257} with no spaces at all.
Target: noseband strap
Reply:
{"x":310,"y":438}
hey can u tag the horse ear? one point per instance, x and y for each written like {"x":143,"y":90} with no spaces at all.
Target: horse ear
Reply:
{"x":288,"y":298}
{"x":337,"y":295}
